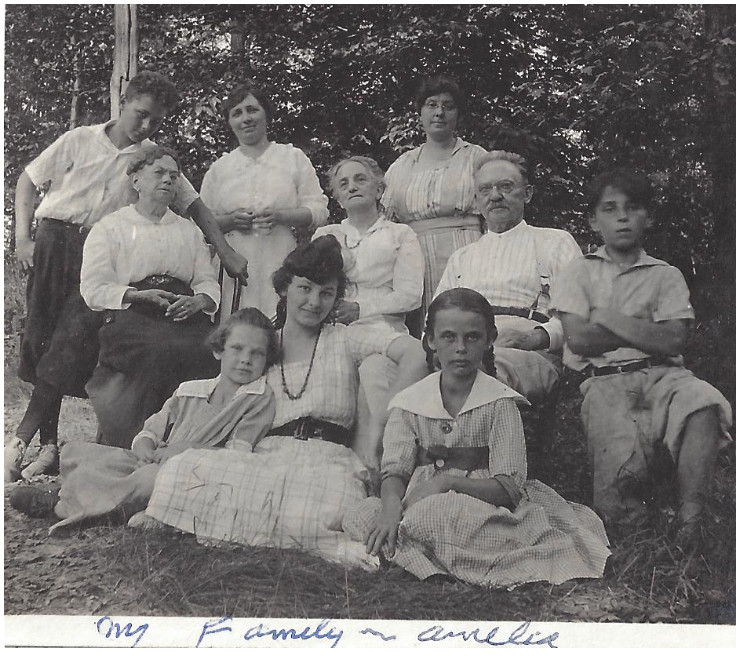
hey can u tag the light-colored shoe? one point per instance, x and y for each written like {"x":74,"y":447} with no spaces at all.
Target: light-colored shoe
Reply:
{"x":47,"y":462}
{"x":14,"y":451}
{"x":143,"y":521}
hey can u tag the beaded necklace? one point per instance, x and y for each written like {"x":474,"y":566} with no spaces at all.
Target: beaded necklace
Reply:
{"x":309,"y":369}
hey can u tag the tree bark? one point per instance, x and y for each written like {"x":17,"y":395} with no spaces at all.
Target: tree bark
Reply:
{"x":77,"y":85}
{"x":126,"y":33}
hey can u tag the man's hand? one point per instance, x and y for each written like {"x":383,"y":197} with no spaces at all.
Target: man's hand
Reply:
{"x":25,"y":254}
{"x":347,"y":312}
{"x":533,"y":340}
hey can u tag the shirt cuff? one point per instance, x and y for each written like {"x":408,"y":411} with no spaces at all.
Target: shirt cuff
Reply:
{"x":554,"y":329}
{"x":508,"y":485}
{"x":144,"y":435}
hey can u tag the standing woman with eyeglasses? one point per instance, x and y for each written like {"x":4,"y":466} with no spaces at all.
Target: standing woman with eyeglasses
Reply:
{"x":430,"y":188}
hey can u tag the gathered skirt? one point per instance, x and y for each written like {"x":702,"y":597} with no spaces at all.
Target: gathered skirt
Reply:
{"x":546,"y":538}
{"x":288,"y":493}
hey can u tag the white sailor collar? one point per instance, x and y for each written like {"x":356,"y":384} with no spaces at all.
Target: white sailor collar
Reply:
{"x":425,"y":397}
{"x":203,"y":388}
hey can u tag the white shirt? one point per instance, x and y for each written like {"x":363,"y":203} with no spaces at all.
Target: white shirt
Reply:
{"x":385,"y":267}
{"x":88,"y":176}
{"x":126,"y":247}
{"x":512,"y":269}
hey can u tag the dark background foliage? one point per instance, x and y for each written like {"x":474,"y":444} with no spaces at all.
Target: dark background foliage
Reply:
{"x":574,"y":88}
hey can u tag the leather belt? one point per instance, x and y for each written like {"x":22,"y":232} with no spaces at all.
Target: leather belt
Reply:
{"x":441,"y":456}
{"x":591,"y":370}
{"x":73,"y":227}
{"x":305,"y":428}
{"x":525,"y":313}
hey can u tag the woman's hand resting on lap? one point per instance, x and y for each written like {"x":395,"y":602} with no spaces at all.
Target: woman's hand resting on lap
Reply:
{"x":187,"y":306}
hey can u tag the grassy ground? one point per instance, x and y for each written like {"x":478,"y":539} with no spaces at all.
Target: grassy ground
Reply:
{"x":109,"y":568}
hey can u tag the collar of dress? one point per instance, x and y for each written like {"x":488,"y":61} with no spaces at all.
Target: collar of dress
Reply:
{"x":203,"y":388}
{"x":425,"y":398}
{"x":353,"y":232}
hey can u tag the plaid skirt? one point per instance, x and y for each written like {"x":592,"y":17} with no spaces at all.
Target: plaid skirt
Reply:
{"x":288,"y":493}
{"x":546,"y":538}
{"x":60,"y":337}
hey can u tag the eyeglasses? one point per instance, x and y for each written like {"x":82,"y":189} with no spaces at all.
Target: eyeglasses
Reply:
{"x":446,"y":106}
{"x":505,"y":186}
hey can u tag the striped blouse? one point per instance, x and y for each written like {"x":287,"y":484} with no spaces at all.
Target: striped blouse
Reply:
{"x":419,"y":192}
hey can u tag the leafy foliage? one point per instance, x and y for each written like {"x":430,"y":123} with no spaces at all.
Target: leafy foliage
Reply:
{"x":572,"y":87}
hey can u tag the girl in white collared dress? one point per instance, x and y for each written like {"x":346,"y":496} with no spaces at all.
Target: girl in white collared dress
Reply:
{"x":455,"y":498}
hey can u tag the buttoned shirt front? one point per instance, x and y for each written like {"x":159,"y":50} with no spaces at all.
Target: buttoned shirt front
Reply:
{"x":515,"y":268}
{"x":650,"y":289}
{"x":88,"y":177}
{"x":385,"y":267}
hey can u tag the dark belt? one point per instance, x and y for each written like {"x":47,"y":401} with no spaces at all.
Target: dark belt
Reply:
{"x":525,"y":313}
{"x":77,"y":228}
{"x":441,"y":456}
{"x":591,"y":370}
{"x":160,"y":281}
{"x":305,"y":428}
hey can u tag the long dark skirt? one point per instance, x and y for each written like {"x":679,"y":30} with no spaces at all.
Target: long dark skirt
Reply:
{"x":144,"y":357}
{"x":60,"y":337}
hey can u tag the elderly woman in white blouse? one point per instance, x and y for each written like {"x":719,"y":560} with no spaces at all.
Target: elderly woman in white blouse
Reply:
{"x":260,"y":192}
{"x":151,"y":271}
{"x":385,"y":268}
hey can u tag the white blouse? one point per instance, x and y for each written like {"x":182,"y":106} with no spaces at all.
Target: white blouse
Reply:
{"x":126,"y":247}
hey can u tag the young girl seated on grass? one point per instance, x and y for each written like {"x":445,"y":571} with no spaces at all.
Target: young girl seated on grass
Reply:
{"x":455,"y":499}
{"x":234,"y":410}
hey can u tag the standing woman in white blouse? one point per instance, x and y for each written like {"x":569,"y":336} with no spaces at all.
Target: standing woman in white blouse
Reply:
{"x":260,"y":192}
{"x":430,"y":188}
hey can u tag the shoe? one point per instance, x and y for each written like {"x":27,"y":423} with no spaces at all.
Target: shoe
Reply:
{"x":33,"y":501}
{"x":45,"y":464}
{"x":14,"y":451}
{"x":143,"y":521}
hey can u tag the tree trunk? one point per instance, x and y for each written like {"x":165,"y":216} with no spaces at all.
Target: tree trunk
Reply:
{"x":125,"y":53}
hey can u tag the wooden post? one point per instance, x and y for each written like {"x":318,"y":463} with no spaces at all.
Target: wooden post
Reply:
{"x":125,"y":53}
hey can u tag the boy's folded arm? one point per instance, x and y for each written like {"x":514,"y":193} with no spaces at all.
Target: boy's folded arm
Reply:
{"x":588,"y":339}
{"x":659,"y":338}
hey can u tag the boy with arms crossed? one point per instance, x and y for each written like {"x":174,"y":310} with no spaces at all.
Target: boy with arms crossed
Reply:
{"x":626,"y":316}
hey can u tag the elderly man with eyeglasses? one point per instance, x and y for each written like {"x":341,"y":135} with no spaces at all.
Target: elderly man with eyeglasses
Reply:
{"x":514,"y":266}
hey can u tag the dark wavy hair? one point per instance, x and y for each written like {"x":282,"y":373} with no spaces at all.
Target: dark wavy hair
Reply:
{"x":439,"y":84}
{"x":633,"y":183}
{"x":246,"y":317}
{"x":467,"y":300}
{"x":149,"y":83}
{"x":149,"y":155}
{"x":237,"y":94}
{"x":320,"y":261}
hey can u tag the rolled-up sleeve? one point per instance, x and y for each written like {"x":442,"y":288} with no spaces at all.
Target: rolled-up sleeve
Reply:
{"x":399,"y":445}
{"x":99,"y":284}
{"x":186,"y":195}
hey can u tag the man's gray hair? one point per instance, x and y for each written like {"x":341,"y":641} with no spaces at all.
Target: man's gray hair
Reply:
{"x":501,"y":155}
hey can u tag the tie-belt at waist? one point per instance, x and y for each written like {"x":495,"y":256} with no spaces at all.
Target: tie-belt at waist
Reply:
{"x":467,"y":459}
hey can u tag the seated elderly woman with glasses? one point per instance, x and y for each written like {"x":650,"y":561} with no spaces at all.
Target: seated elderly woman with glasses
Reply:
{"x":151,"y":271}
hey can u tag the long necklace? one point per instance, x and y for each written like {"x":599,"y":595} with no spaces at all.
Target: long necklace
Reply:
{"x":309,"y":369}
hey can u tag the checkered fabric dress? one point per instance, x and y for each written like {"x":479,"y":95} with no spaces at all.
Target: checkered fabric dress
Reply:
{"x":287,"y":493}
{"x":545,"y":538}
